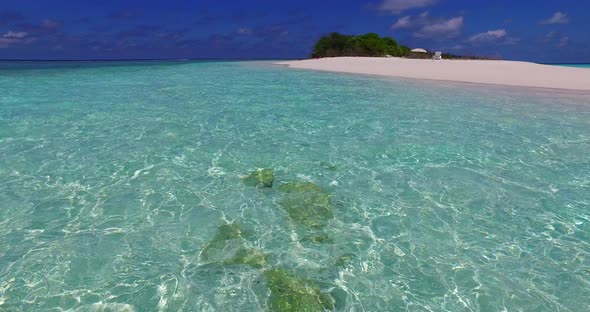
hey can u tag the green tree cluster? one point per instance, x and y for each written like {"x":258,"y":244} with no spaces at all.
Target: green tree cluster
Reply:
{"x":370,"y":44}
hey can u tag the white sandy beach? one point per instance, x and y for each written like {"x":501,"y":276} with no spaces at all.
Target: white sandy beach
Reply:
{"x":512,"y":73}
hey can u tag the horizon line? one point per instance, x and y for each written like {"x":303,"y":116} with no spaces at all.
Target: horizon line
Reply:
{"x":145,"y":59}
{"x":207,"y":59}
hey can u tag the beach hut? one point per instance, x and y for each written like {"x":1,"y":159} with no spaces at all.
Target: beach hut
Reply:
{"x":419,"y":53}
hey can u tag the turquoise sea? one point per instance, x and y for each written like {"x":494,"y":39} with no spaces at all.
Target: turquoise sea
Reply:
{"x":121,"y":189}
{"x":574,"y":65}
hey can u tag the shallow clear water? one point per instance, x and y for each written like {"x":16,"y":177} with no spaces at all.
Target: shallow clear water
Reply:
{"x":574,"y":65}
{"x":447,"y":197}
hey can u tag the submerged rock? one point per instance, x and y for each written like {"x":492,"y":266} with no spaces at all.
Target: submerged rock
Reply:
{"x":229,"y":247}
{"x":327,"y":301}
{"x":224,"y":244}
{"x":289,"y":293}
{"x":249,"y":256}
{"x":306,"y":203}
{"x":260,"y":178}
{"x":320,"y":238}
{"x":299,"y":187}
{"x":228,"y":231}
{"x":344,"y":260}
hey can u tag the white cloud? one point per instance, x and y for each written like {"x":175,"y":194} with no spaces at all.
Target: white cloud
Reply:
{"x":444,"y":28}
{"x":402,"y":23}
{"x":398,"y":6}
{"x":495,"y":37}
{"x":563,"y":42}
{"x":425,"y":26}
{"x":15,"y":35}
{"x":557,"y":18}
{"x":490,"y":35}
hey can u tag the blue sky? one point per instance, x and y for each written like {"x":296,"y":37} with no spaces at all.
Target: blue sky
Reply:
{"x":542,"y":30}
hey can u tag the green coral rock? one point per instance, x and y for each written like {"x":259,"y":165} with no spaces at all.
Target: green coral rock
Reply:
{"x":292,"y":187}
{"x":321,"y":238}
{"x":249,"y":256}
{"x":229,"y":247}
{"x":224,"y":244}
{"x":289,"y":293}
{"x":307,"y":203}
{"x":344,"y":259}
{"x":228,"y":231}
{"x":260,"y":178}
{"x":327,"y":301}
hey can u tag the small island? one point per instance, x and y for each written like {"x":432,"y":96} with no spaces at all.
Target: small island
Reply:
{"x":373,"y":45}
{"x":371,"y":54}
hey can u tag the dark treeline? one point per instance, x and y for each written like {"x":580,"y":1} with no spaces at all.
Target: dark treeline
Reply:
{"x":370,"y":44}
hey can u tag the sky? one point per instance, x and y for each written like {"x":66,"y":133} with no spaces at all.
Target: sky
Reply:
{"x":550,"y":31}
